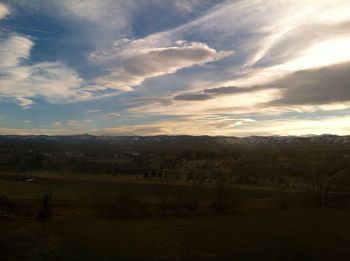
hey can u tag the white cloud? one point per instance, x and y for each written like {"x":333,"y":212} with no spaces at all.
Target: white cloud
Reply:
{"x":57,"y":124}
{"x":73,"y":123}
{"x":228,"y":104}
{"x":111,"y":115}
{"x":268,"y":31}
{"x":143,"y":63}
{"x":100,"y":12}
{"x":327,"y":52}
{"x":14,"y":50}
{"x":4,"y":11}
{"x":112,"y":19}
{"x":259,"y":31}
{"x":66,"y":124}
{"x":237,"y":127}
{"x":41,"y":131}
{"x":271,"y":39}
{"x":187,"y":6}
{"x":51,"y":80}
{"x":281,"y":37}
{"x":333,"y":125}
{"x":192,"y":125}
{"x":100,"y":21}
{"x":92,"y":111}
{"x":24,"y":102}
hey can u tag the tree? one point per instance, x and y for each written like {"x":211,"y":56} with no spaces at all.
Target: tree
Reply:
{"x":45,"y":208}
{"x":222,"y":186}
{"x":163,"y":165}
{"x":324,"y":182}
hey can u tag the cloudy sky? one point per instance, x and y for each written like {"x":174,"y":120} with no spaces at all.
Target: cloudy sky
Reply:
{"x":150,"y":67}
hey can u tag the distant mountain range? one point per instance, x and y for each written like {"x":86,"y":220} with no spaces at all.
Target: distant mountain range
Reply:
{"x":326,"y":139}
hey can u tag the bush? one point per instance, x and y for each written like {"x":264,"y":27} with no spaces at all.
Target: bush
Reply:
{"x":182,"y":203}
{"x":7,"y":207}
{"x":283,"y":200}
{"x":124,"y":205}
{"x":190,"y":200}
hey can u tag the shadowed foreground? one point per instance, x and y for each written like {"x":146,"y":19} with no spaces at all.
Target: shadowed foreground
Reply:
{"x":78,"y":232}
{"x":314,"y":234}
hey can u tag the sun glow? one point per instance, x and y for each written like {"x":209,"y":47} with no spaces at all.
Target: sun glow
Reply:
{"x":321,"y":54}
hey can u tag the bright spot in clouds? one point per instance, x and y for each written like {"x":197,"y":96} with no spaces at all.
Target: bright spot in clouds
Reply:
{"x":4,"y":11}
{"x":328,"y":52}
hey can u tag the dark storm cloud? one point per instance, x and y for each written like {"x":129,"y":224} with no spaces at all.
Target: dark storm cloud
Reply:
{"x":234,"y":90}
{"x":318,"y":86}
{"x":193,"y":97}
{"x":211,"y":93}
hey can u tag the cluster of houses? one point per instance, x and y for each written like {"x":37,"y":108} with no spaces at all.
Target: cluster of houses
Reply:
{"x":212,"y":170}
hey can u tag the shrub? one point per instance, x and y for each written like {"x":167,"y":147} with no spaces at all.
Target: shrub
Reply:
{"x":124,"y":205}
{"x":7,"y":207}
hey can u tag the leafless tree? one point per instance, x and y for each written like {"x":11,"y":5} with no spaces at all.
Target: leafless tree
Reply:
{"x":222,"y":175}
{"x":322,"y":184}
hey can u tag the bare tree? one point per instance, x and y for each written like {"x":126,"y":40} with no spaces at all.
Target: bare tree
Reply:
{"x":222,"y":186}
{"x":322,"y":184}
{"x":162,"y":166}
{"x":45,"y":210}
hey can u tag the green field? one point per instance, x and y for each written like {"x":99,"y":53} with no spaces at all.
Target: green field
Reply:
{"x":254,"y":229}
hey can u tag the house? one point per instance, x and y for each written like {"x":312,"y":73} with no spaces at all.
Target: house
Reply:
{"x":191,"y":170}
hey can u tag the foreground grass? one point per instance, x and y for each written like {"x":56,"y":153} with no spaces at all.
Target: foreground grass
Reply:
{"x":77,"y":233}
{"x":313,"y":234}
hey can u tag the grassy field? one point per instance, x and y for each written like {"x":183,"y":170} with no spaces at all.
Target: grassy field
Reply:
{"x":256,"y":230}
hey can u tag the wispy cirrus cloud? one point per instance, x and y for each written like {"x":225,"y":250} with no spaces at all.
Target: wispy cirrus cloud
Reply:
{"x":211,"y":93}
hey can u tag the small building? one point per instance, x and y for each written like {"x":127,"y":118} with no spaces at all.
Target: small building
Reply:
{"x":192,"y":170}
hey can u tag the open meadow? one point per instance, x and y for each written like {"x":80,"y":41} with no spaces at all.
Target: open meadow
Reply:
{"x":104,"y":217}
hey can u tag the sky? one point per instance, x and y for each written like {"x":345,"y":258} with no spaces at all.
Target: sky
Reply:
{"x":175,"y":67}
